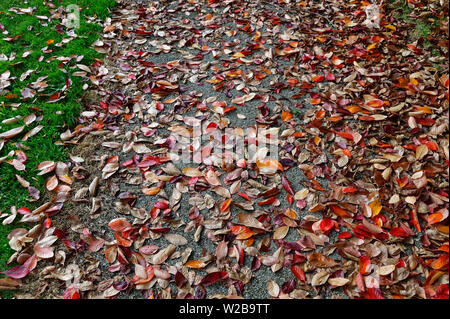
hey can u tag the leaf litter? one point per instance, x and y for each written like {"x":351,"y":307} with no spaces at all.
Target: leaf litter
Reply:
{"x":355,"y":206}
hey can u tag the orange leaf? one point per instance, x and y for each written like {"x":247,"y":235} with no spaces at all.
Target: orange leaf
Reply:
{"x":269,"y":166}
{"x":334,"y":118}
{"x":436,"y":218}
{"x":376,"y":103}
{"x":286,"y":116}
{"x":226,"y":205}
{"x":298,"y":134}
{"x":245,"y":234}
{"x":366,"y":118}
{"x":119,"y":224}
{"x":122,"y":240}
{"x":316,"y":101}
{"x":318,"y":78}
{"x":353,"y":109}
{"x":197,"y":264}
{"x":292,"y":81}
{"x":424,"y":109}
{"x":364,"y":265}
{"x":290,"y":213}
{"x":340,"y":211}
{"x":317,"y":186}
{"x":440,"y":262}
{"x":347,"y":152}
{"x":444,"y":247}
{"x":242,"y":232}
{"x":151,"y":190}
{"x":169,"y":101}
{"x":229,"y":109}
{"x":442,"y":228}
{"x":402,"y":182}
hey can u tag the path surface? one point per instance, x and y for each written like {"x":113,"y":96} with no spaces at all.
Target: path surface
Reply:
{"x":323,"y":220}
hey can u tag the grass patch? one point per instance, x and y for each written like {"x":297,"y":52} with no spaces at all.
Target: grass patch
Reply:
{"x":423,"y":26}
{"x":39,"y":47}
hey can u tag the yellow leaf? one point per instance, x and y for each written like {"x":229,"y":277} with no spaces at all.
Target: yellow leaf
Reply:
{"x":413,"y":81}
{"x":238,"y":55}
{"x":390,"y":26}
{"x":372,"y":46}
{"x":376,"y":207}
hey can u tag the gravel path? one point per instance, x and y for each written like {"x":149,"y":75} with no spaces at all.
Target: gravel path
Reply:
{"x":173,"y":66}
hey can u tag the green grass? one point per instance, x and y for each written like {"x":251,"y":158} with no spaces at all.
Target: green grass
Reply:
{"x":56,"y":117}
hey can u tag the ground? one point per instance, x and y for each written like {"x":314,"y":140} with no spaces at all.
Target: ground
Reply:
{"x":352,"y":204}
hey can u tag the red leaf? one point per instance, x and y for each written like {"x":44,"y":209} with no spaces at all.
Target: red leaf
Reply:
{"x":17,"y":272}
{"x":245,"y":196}
{"x":71,"y":293}
{"x":55,"y":96}
{"x":330,"y":77}
{"x":290,"y":199}
{"x":318,"y":78}
{"x":24,"y":211}
{"x":214,"y":277}
{"x":288,"y":286}
{"x":160,"y":230}
{"x":345,"y":135}
{"x":125,"y":242}
{"x":373,"y":293}
{"x":350,"y":189}
{"x":364,"y":264}
{"x":241,"y":232}
{"x":211,"y":127}
{"x":298,"y":272}
{"x":268,"y":201}
{"x":345,"y":235}
{"x":287,"y":185}
{"x":398,"y":232}
{"x":326,"y":224}
{"x":180,"y":280}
